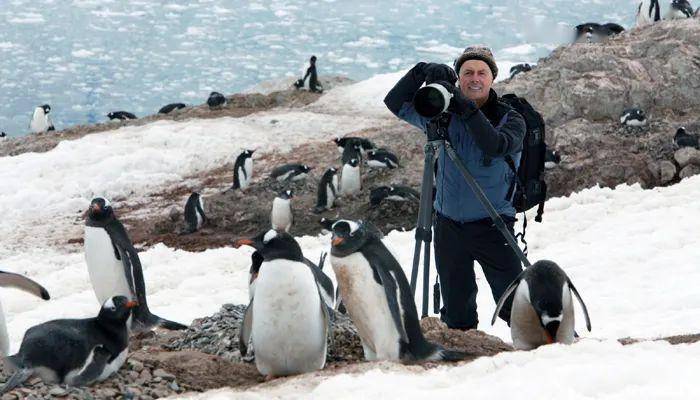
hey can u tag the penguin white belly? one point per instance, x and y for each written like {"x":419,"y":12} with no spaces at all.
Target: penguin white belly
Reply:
{"x":200,"y":219}
{"x":525,"y":327}
{"x":299,"y":177}
{"x":242,"y":179}
{"x":350,"y":180}
{"x":367,"y":306}
{"x":289,"y":328}
{"x":114,"y":365}
{"x":248,"y":165}
{"x":281,"y":214}
{"x":4,"y":338}
{"x":376,"y":164}
{"x":330,"y":197}
{"x":39,"y":122}
{"x":105,"y":270}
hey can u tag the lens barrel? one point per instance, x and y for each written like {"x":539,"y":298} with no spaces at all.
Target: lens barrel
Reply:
{"x":432,"y":100}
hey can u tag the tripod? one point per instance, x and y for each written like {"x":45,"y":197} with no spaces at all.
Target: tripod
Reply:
{"x":438,"y":138}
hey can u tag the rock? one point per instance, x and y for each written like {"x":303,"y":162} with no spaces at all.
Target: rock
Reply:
{"x":135,"y":365}
{"x":161,"y":373}
{"x":687,"y":155}
{"x":58,"y":391}
{"x":689,"y":170}
{"x":667,"y":171}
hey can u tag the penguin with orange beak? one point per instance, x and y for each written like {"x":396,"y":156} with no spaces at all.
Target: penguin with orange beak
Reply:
{"x":543,"y":309}
{"x":75,"y":352}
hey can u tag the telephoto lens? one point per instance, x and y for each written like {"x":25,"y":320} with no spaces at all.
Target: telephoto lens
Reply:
{"x":432,"y":100}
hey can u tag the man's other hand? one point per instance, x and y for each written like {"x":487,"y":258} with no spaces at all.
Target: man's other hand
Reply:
{"x":439,"y":72}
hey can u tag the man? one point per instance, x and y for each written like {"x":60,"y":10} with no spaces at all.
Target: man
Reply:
{"x":483,"y":132}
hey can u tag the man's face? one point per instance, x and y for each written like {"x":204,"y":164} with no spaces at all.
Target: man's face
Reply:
{"x":475,"y":79}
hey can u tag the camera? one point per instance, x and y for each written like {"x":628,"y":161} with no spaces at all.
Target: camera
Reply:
{"x":432,"y":100}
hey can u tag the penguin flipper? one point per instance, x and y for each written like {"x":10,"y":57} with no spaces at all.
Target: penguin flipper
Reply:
{"x":583,"y":305}
{"x":322,"y":260}
{"x":9,"y":279}
{"x":392,"y":296}
{"x":17,"y":379}
{"x":93,"y":369}
{"x":246,"y":330}
{"x":509,"y":290}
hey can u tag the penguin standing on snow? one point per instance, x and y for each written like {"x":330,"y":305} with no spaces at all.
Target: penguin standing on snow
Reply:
{"x":281,"y":216}
{"x":290,"y":172}
{"x":679,"y":9}
{"x":75,"y":352}
{"x":350,"y":179}
{"x":194,"y":213}
{"x":543,"y":309}
{"x":114,"y":265}
{"x":382,"y":158}
{"x":171,"y":107}
{"x":378,"y":299}
{"x":243,"y":170}
{"x":41,"y":121}
{"x":327,"y":190}
{"x":633,"y":117}
{"x":216,"y":101}
{"x":648,"y":12}
{"x":287,"y":321}
{"x":120,"y":115}
{"x":10,"y":280}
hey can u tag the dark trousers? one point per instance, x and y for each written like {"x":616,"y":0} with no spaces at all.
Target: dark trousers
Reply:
{"x":457,"y":245}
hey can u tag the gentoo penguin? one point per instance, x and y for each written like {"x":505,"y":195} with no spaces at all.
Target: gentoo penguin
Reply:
{"x":543,"y":309}
{"x":365,"y":144}
{"x":593,"y":32}
{"x":10,"y":280}
{"x":679,"y":9}
{"x":171,"y":107}
{"x":114,"y":265}
{"x":194,"y":213}
{"x":216,"y":100}
{"x":290,"y":172}
{"x":256,"y":260}
{"x":243,"y":170}
{"x":75,"y":352}
{"x":350,"y":179}
{"x":392,"y":193}
{"x":633,"y":117}
{"x":684,"y":139}
{"x":648,"y":12}
{"x":378,"y":299}
{"x":351,"y":151}
{"x":287,"y":321}
{"x":551,"y":159}
{"x":120,"y":115}
{"x":41,"y":121}
{"x":327,"y":190}
{"x":281,"y":216}
{"x":519,"y":68}
{"x":382,"y":158}
{"x":3,"y":134}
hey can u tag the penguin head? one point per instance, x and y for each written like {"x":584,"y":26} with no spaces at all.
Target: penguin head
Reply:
{"x":305,"y":169}
{"x":116,"y":309}
{"x":378,"y":194}
{"x":46,"y":108}
{"x":100,"y":208}
{"x":348,"y":237}
{"x":274,"y":245}
{"x":111,"y":115}
{"x":681,"y":132}
{"x":550,"y":315}
{"x":327,"y":223}
{"x":286,"y":195}
{"x":249,"y":153}
{"x":354,"y":162}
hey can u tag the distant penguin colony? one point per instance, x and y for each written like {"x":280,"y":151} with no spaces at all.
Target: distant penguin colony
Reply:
{"x":519,"y":68}
{"x":120,"y":115}
{"x":41,"y":121}
{"x":648,"y":12}
{"x":216,"y":101}
{"x":11,"y":280}
{"x":171,"y":107}
{"x":287,"y":321}
{"x":633,"y":117}
{"x":290,"y":172}
{"x":75,"y":352}
{"x":378,"y":298}
{"x":243,"y":170}
{"x":114,"y":265}
{"x":683,"y":139}
{"x":194,"y":213}
{"x":542,"y":310}
{"x":281,"y":216}
{"x":679,"y":9}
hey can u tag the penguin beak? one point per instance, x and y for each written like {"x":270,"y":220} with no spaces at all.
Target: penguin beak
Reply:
{"x":132,"y":304}
{"x":548,"y":337}
{"x":242,"y":242}
{"x":337,"y":241}
{"x":95,"y":207}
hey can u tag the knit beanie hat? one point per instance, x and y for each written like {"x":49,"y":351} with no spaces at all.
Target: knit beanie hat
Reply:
{"x":482,"y":53}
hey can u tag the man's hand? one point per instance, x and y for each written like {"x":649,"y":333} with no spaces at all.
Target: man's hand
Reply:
{"x":439,"y":72}
{"x":459,"y":104}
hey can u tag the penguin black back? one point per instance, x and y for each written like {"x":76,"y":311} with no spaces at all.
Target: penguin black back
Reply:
{"x":171,"y":107}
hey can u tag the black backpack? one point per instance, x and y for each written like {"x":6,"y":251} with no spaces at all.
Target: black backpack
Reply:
{"x":530,"y":187}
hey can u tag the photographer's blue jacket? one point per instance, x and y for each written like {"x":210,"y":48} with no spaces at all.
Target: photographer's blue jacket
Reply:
{"x":482,"y":138}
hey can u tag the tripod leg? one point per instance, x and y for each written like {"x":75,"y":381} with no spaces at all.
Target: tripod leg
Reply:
{"x":426,"y":278}
{"x":425,"y":212}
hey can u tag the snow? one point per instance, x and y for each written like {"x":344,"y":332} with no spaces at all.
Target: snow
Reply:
{"x":632,"y":254}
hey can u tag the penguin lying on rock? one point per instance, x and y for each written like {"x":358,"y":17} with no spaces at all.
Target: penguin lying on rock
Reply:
{"x":76,"y":352}
{"x":8,"y":279}
{"x":378,"y":299}
{"x":543,"y":309}
{"x":288,"y":318}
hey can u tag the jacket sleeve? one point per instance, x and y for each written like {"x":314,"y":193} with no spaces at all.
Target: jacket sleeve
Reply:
{"x":498,"y":141}
{"x":399,"y":100}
